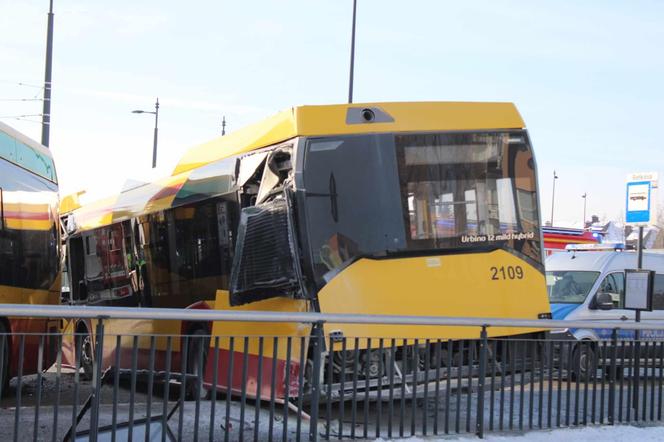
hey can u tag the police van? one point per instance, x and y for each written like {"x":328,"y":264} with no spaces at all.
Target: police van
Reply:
{"x":588,"y":283}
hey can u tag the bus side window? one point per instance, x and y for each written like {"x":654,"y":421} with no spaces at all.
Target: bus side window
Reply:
{"x":658,"y":293}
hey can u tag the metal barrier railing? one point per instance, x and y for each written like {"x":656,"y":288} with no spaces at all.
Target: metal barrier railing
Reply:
{"x":194,"y":385}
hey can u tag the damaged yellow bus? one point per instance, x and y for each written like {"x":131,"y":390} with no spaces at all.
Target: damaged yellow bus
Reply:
{"x":381,"y":208}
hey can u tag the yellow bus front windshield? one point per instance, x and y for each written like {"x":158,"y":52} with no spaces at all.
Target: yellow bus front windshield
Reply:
{"x":386,"y":194}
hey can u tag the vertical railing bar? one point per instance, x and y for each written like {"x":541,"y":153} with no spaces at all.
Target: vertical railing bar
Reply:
{"x":503,"y":373}
{"x":522,"y":382}
{"x":153,"y":350}
{"x":531,"y":396}
{"x":586,"y":383}
{"x":167,"y":384}
{"x":402,"y":402}
{"x":630,"y":382}
{"x":653,"y":363}
{"x":381,"y":373}
{"x":243,"y":386}
{"x":97,"y":364}
{"x":56,"y":405}
{"x":330,"y":380}
{"x":259,"y":387}
{"x":513,"y":350}
{"x":568,"y":401}
{"x":661,"y":379}
{"x":184,"y":357}
{"x":471,"y":364}
{"x":637,"y":379}
{"x":448,"y":384}
{"x":541,"y":358}
{"x":4,"y":342}
{"x":492,"y":394}
{"x":622,"y":379}
{"x":559,"y":399}
{"x":78,"y":348}
{"x":367,"y":384}
{"x":413,"y":401}
{"x":213,"y":390}
{"x":116,"y":386}
{"x":316,"y":380}
{"x":390,"y":411}
{"x":646,"y":379}
{"x":550,"y":353}
{"x":40,"y":363}
{"x":427,"y":355}
{"x":273,"y":386}
{"x":198,"y":343}
{"x":134,"y":367}
{"x":300,"y":388}
{"x":436,"y":400}
{"x":289,"y":349}
{"x":479,"y":421}
{"x":342,"y":397}
{"x":17,"y":413}
{"x":577,"y":390}
{"x":229,"y":387}
{"x":612,"y":377}
{"x":356,"y":363}
{"x":600,"y":354}
{"x":457,"y":422}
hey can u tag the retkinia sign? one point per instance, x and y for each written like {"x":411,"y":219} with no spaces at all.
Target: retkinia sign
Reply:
{"x":640,"y":202}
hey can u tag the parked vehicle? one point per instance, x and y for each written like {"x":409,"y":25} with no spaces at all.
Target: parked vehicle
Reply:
{"x":578,"y":283}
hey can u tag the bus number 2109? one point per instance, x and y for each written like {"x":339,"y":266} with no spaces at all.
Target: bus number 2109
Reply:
{"x":506,"y":272}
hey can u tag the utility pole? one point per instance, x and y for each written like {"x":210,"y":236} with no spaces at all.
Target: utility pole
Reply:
{"x":553,"y":195}
{"x":46,"y":110}
{"x":352,"y":55}
{"x":223,"y":125}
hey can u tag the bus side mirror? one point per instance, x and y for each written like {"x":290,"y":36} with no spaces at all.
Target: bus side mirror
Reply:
{"x":603,"y":301}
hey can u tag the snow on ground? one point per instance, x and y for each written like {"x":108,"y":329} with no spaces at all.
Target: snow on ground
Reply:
{"x":619,"y":433}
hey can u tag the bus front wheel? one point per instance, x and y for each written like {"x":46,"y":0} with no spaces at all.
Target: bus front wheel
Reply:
{"x":197,"y":350}
{"x":84,"y":351}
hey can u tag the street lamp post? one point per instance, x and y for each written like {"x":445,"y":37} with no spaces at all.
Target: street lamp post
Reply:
{"x":156,"y":122}
{"x":553,"y":195}
{"x":584,"y":196}
{"x":352,"y":55}
{"x":46,"y":112}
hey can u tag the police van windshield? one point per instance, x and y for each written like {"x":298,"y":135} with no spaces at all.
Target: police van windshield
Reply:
{"x":569,"y":287}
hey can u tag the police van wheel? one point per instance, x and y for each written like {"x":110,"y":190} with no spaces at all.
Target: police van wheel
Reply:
{"x":584,"y":361}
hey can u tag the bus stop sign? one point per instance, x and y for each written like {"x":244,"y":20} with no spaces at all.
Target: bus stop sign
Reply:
{"x":639,"y":205}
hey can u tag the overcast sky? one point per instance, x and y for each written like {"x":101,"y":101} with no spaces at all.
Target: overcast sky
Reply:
{"x":586,"y":76}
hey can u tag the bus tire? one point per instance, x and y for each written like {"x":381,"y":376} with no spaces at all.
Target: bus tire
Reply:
{"x":4,"y":344}
{"x":84,"y":351}
{"x":199,"y":341}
